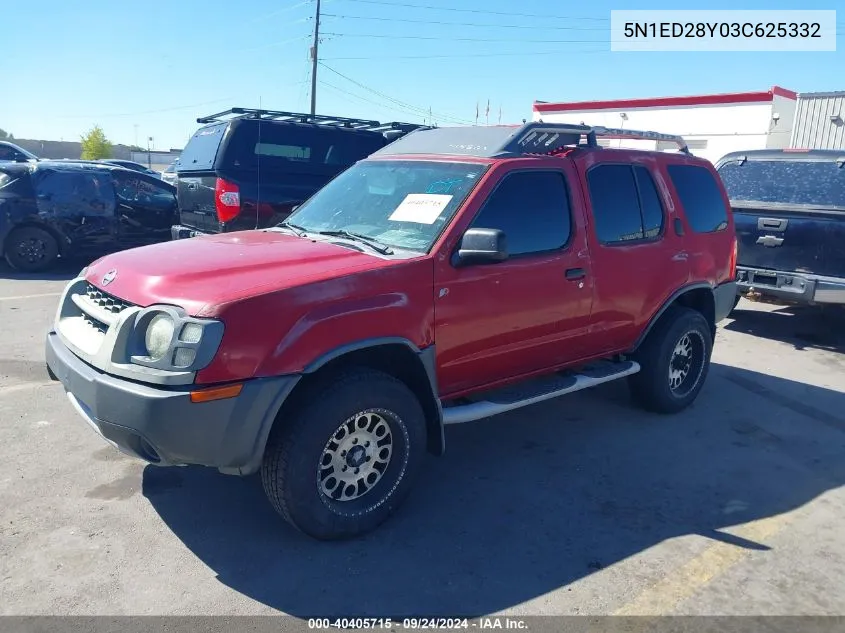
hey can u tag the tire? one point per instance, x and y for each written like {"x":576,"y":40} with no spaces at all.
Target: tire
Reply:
{"x":652,"y":387}
{"x":30,"y":249}
{"x":384,"y":413}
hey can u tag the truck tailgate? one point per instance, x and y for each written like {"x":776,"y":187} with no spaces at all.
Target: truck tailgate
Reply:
{"x":791,"y":238}
{"x":195,"y":193}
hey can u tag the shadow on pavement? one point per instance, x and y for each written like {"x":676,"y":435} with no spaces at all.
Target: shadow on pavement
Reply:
{"x":529,"y":502}
{"x":64,"y":270}
{"x":803,"y":327}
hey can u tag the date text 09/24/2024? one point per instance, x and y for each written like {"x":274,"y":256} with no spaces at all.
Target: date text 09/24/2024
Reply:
{"x":417,"y":623}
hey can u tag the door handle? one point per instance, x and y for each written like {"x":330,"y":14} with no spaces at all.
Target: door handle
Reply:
{"x":575,"y":273}
{"x":772,"y":224}
{"x":680,"y":257}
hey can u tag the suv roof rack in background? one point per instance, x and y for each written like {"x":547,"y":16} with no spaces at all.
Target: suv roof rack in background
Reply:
{"x":317,"y":119}
{"x":507,"y":141}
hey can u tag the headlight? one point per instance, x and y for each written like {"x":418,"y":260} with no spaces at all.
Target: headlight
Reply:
{"x":165,"y":338}
{"x":159,"y":335}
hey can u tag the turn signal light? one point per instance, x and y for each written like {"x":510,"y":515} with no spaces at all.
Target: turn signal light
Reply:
{"x":216,"y":393}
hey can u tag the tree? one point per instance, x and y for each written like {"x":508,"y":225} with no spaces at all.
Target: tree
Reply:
{"x":95,"y":145}
{"x":5,"y":135}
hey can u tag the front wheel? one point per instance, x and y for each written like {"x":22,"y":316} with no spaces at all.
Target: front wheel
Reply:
{"x":674,"y":360}
{"x":30,"y":249}
{"x":347,"y":459}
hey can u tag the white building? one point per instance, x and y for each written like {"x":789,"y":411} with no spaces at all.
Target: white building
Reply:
{"x":712,"y":125}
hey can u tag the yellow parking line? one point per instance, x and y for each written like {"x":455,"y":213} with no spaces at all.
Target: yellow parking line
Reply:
{"x":662,"y":597}
{"x":21,"y":297}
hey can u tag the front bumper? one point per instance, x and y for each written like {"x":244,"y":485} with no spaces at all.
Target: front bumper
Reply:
{"x":179,"y":232}
{"x":161,"y":425}
{"x":790,"y":287}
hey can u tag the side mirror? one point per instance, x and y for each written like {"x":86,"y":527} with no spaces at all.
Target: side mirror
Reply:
{"x":482,"y":246}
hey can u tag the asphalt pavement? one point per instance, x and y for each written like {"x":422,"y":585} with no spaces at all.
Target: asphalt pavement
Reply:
{"x":583,"y":505}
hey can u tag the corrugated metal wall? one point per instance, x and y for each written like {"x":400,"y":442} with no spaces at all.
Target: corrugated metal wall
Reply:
{"x":819,"y":121}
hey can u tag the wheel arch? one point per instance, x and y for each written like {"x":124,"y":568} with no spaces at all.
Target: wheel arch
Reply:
{"x":395,"y":356}
{"x":698,"y":296}
{"x":61,"y":240}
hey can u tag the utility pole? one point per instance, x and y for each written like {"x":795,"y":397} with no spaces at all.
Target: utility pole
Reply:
{"x":314,"y":59}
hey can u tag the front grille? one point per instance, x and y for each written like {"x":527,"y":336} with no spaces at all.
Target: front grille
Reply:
{"x":106,"y":301}
{"x":94,"y":324}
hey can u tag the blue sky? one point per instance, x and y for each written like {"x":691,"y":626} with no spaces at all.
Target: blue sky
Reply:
{"x":150,"y":68}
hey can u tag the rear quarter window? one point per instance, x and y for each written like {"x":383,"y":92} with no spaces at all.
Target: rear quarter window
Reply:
{"x":701,"y":198}
{"x":201,"y":151}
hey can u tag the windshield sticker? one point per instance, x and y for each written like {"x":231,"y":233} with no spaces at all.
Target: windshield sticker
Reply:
{"x":443,"y":186}
{"x":423,"y":208}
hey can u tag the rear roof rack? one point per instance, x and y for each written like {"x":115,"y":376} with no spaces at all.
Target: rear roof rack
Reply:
{"x":317,"y":119}
{"x":508,"y":141}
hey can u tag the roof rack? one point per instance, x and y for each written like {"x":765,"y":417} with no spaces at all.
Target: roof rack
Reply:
{"x":641,"y":135}
{"x":298,"y":117}
{"x":534,"y":137}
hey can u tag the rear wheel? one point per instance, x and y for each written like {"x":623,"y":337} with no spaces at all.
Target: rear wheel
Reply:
{"x":30,"y":249}
{"x":674,"y":360}
{"x":347,"y":459}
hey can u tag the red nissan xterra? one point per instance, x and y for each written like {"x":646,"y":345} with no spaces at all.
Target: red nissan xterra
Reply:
{"x":456,"y":274}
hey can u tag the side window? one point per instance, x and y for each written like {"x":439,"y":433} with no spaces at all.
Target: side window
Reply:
{"x":616,"y":209}
{"x":7,"y":153}
{"x":700,"y":197}
{"x":532,"y":209}
{"x":652,"y":210}
{"x":136,"y":190}
{"x":74,"y":192}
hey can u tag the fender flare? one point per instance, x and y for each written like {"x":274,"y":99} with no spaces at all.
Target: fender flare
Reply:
{"x":426,"y":356}
{"x":666,"y":304}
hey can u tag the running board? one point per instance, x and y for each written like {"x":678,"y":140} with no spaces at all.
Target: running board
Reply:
{"x":537,"y":390}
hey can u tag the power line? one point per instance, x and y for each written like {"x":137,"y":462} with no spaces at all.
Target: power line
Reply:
{"x":463,"y":39}
{"x":462,"y":55}
{"x":424,"y":111}
{"x":108,"y":116}
{"x":446,"y":23}
{"x":484,"y":11}
{"x":326,"y":84}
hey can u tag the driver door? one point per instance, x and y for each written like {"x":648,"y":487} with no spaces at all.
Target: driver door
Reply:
{"x":531,"y":312}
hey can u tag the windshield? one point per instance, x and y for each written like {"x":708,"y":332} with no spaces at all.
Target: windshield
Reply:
{"x":786,"y":181}
{"x":403,"y":204}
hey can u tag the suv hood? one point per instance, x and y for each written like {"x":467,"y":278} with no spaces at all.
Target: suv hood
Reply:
{"x":206,"y":271}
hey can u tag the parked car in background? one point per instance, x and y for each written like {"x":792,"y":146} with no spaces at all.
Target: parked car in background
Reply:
{"x":9,"y":152}
{"x":248,"y":169}
{"x":169,"y":174}
{"x":53,"y":209}
{"x":456,"y":274}
{"x":129,"y":164}
{"x":789,"y":210}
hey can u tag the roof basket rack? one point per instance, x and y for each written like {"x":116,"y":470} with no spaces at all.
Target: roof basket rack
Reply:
{"x":641,"y":135}
{"x":546,"y":138}
{"x":531,"y":138}
{"x":317,"y":119}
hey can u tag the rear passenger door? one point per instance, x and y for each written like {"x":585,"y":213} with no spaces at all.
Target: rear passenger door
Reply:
{"x":636,"y":259}
{"x":80,"y":205}
{"x":498,"y":321}
{"x":146,"y":208}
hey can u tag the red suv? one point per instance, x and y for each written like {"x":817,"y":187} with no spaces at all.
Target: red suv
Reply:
{"x":456,"y":274}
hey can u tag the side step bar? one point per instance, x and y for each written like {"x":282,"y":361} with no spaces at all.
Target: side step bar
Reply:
{"x":534,"y":391}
